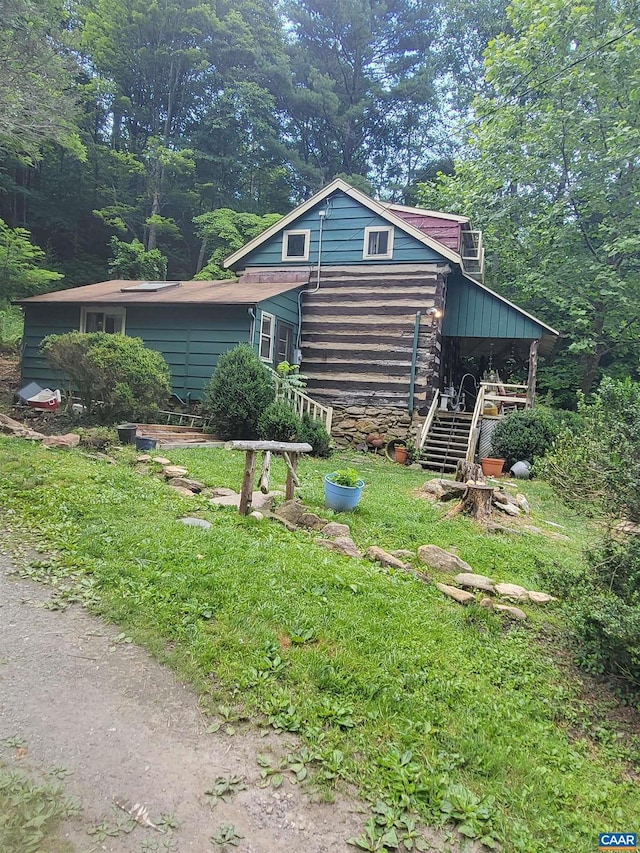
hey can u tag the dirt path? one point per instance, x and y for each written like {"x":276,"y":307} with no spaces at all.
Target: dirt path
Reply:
{"x":126,"y":728}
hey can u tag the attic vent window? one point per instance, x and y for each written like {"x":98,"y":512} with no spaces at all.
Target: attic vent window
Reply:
{"x":378,"y":243}
{"x":149,"y":286}
{"x":295,"y":245}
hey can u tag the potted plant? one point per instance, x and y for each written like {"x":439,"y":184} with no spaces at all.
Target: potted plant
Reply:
{"x":342,"y":489}
{"x":492,"y":467}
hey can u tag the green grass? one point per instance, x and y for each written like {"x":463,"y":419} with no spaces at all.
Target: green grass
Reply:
{"x":448,"y":712}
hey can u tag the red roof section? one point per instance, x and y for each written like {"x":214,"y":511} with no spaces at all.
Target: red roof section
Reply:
{"x":445,"y":231}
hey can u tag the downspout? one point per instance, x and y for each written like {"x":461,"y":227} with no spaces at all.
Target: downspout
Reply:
{"x":252,"y":335}
{"x":321,"y":214}
{"x":414,"y":359}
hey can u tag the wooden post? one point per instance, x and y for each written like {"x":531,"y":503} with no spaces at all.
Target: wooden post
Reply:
{"x":291,"y":461}
{"x":533,"y":367}
{"x":264,"y":474}
{"x":247,"y":483}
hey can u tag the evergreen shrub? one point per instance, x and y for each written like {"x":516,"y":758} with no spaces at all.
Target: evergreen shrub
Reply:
{"x":279,"y":422}
{"x":523,"y":435}
{"x":238,"y":392}
{"x":313,"y":432}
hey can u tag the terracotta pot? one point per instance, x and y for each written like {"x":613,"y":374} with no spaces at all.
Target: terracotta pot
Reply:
{"x":401,"y":455}
{"x":492,"y":467}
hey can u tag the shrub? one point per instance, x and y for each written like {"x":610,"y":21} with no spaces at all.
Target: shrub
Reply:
{"x":116,"y":376}
{"x":523,"y":435}
{"x":314,"y":433}
{"x":238,"y":393}
{"x":345,"y":477}
{"x":278,"y":422}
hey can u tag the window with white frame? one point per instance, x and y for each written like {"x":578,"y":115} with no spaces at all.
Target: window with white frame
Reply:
{"x":110,"y":320}
{"x":267,"y":330}
{"x":378,"y":243}
{"x":295,"y":245}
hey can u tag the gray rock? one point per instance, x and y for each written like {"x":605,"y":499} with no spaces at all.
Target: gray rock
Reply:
{"x":196,"y":522}
{"x":438,"y":558}
{"x":291,"y":510}
{"x":310,"y":519}
{"x":342,"y":544}
{"x":512,"y":590}
{"x":523,"y":503}
{"x":171,"y":471}
{"x":71,"y":439}
{"x":256,"y":515}
{"x":182,"y":491}
{"x":540,"y":597}
{"x":458,"y":595}
{"x":145,"y":457}
{"x":185,"y":483}
{"x":510,"y":509}
{"x":379,"y":555}
{"x":514,"y":612}
{"x":404,"y":553}
{"x":487,"y":603}
{"x":334,"y":529}
{"x":161,"y":460}
{"x":473,"y":581}
{"x":223,"y":492}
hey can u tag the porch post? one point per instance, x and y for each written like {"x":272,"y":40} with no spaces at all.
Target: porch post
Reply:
{"x":531,"y":380}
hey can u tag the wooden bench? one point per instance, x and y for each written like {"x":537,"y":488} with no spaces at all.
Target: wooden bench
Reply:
{"x":290,"y":452}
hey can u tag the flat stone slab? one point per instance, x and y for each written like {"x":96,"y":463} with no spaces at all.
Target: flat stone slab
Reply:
{"x":182,"y":491}
{"x":258,"y":500}
{"x":510,"y":509}
{"x":160,"y":460}
{"x":512,"y":590}
{"x":196,"y":522}
{"x":222,"y":491}
{"x":459,"y":595}
{"x":342,"y":544}
{"x":540,"y":597}
{"x":334,"y":529}
{"x":379,"y":555}
{"x":438,"y":558}
{"x":514,"y":612}
{"x":192,"y":485}
{"x":311,"y":520}
{"x":171,"y":471}
{"x":473,"y":581}
{"x":71,"y":439}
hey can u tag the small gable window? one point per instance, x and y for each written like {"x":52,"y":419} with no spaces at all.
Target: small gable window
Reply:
{"x":267,"y":330}
{"x":378,"y":243}
{"x":110,"y":320}
{"x":295,"y":245}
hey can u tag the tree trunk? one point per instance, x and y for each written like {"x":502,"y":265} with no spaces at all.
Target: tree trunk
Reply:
{"x":475,"y":502}
{"x":469,"y":471}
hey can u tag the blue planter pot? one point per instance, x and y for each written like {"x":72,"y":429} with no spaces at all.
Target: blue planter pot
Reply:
{"x":341,"y":498}
{"x":143,"y":443}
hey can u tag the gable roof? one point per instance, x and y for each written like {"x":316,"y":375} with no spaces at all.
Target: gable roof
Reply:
{"x":225,"y":292}
{"x":376,"y":207}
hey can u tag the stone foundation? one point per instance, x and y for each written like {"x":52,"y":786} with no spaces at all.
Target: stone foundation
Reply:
{"x":352,"y":425}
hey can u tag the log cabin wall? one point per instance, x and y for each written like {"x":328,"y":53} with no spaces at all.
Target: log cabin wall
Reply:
{"x":357,"y":339}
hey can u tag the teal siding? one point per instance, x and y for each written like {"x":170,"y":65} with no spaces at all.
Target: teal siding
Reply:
{"x":284,"y":307}
{"x":40,"y":321}
{"x":471,"y":312}
{"x":342,"y":238}
{"x":191,"y":338}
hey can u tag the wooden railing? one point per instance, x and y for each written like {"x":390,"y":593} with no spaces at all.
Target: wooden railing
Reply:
{"x":475,"y":420}
{"x":301,"y":403}
{"x":185,"y":419}
{"x":426,"y":426}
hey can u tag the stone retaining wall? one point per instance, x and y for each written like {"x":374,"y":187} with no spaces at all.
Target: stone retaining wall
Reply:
{"x":352,"y":425}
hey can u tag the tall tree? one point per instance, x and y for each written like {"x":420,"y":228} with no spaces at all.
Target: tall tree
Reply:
{"x":552,"y":175}
{"x":360,"y":69}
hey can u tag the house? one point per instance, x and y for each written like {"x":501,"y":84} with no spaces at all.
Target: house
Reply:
{"x":382,"y":304}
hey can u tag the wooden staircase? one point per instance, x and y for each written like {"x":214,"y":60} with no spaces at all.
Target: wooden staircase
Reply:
{"x":447,"y":441}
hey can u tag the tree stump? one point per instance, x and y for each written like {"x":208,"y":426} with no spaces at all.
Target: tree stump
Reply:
{"x":469,"y":471}
{"x":475,"y":502}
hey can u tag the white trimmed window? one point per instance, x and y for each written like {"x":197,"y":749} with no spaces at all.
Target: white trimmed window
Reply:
{"x":110,"y":320}
{"x":267,"y":334}
{"x":295,"y":245}
{"x":378,"y":243}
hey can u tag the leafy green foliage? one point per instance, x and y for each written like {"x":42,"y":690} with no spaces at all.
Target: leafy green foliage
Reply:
{"x":314,"y":433}
{"x":345,"y":477}
{"x":131,"y":261}
{"x":523,"y":435}
{"x":238,"y":393}
{"x":223,"y":232}
{"x":116,"y":376}
{"x":279,"y":422}
{"x":21,"y":272}
{"x":546,"y":176}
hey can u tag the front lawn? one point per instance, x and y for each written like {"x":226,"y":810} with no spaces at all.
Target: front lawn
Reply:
{"x":452,"y":713}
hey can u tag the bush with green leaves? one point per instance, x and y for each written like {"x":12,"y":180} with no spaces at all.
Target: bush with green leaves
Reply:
{"x":116,"y":376}
{"x":238,"y":392}
{"x":523,"y":435}
{"x":279,"y":422}
{"x":313,"y":432}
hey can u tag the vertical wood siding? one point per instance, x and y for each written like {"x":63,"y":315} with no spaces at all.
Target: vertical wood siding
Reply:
{"x":471,"y":312}
{"x":342,"y":238}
